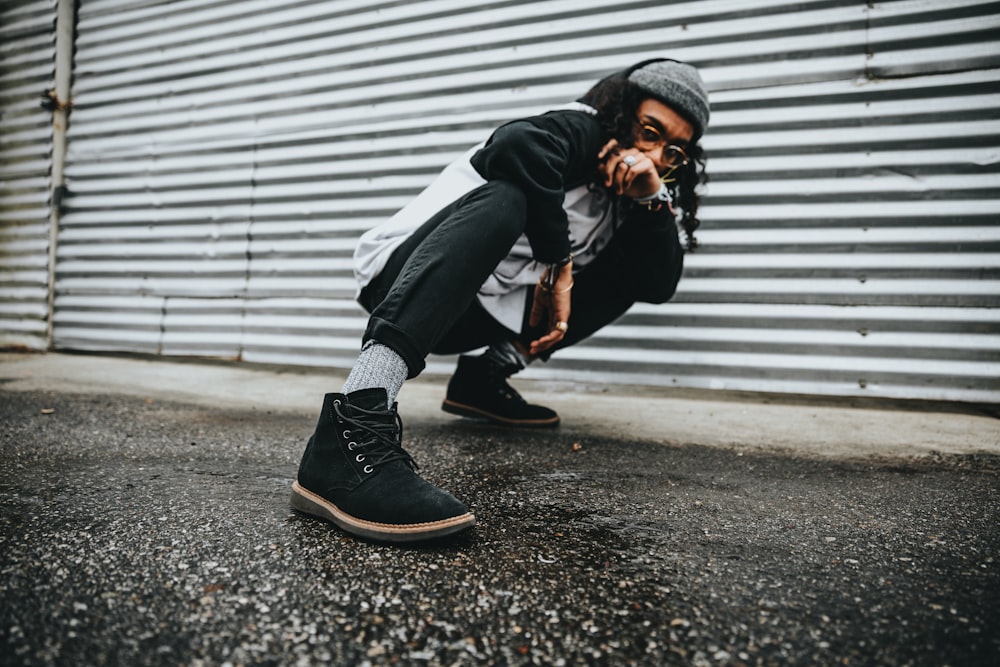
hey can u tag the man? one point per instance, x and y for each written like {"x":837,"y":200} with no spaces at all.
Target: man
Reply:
{"x":529,"y":243}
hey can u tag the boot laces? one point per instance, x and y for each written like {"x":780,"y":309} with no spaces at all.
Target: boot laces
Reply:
{"x":380,"y":440}
{"x":499,"y":378}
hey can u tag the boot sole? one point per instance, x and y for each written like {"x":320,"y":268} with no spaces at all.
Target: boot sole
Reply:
{"x":306,"y":501}
{"x":469,"y":411}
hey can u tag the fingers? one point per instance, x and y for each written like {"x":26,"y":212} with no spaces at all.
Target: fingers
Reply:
{"x":552,"y":310}
{"x":639,"y":171}
{"x":609,"y":161}
{"x":546,"y":341}
{"x":628,"y":171}
{"x":538,"y":309}
{"x":608,"y":148}
{"x":555,"y":335}
{"x":557,"y":319}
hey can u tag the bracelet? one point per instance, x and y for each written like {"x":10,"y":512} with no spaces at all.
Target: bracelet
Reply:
{"x":548,"y":279}
{"x":648,"y":198}
{"x":655,"y":201}
{"x":549,"y":290}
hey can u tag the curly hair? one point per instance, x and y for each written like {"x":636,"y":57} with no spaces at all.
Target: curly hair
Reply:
{"x":617,"y":101}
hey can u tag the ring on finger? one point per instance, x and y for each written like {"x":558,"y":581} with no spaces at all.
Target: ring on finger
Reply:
{"x":561,"y":326}
{"x":629,"y":160}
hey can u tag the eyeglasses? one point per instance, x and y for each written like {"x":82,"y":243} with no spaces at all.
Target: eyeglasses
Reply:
{"x":673,"y":155}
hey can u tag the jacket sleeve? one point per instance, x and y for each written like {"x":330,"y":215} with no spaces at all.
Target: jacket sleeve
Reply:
{"x":544,"y":156}
{"x":655,"y":256}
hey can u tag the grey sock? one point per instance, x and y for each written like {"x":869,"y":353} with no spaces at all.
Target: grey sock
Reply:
{"x":507,"y":355}
{"x":377,"y":366}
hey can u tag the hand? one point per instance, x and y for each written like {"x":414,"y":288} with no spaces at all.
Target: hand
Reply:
{"x":641,"y":179}
{"x":551,"y":309}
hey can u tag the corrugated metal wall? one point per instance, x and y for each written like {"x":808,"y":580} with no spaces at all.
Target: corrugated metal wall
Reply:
{"x":27,"y":49}
{"x":224,"y":156}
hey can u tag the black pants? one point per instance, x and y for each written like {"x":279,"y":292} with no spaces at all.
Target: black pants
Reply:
{"x":424,"y":300}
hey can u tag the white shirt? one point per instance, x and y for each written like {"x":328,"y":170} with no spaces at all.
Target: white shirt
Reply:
{"x":505,"y":292}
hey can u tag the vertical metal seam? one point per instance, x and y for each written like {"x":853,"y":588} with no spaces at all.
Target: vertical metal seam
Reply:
{"x":61,"y":94}
{"x":248,"y":253}
{"x":869,"y":6}
{"x":161,"y":340}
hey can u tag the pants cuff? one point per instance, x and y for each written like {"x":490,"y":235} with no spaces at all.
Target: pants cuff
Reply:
{"x":391,"y":336}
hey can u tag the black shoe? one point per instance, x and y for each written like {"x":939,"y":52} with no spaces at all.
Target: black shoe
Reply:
{"x":479,"y":389}
{"x":356,"y":474}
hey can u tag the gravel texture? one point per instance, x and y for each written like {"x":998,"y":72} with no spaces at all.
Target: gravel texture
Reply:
{"x":141,"y":532}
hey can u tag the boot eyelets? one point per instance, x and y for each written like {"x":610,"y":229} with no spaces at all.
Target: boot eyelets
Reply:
{"x":351,"y":446}
{"x":347,"y":434}
{"x":359,"y":458}
{"x":336,"y":402}
{"x":369,"y":469}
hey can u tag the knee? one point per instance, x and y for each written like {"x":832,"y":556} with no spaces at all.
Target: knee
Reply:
{"x":504,"y":191}
{"x":652,"y":260}
{"x":508,"y":202}
{"x":660,"y":292}
{"x":659,"y":283}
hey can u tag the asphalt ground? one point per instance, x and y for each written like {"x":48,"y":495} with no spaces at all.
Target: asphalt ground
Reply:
{"x":145,"y":525}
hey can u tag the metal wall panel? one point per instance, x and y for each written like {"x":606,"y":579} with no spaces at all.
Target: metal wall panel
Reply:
{"x":27,"y":36}
{"x":225,"y":156}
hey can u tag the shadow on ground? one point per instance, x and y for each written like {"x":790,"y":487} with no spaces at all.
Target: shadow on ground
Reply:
{"x":134,"y":532}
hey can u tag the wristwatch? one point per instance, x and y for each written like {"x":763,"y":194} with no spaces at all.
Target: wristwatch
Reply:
{"x":548,"y":279}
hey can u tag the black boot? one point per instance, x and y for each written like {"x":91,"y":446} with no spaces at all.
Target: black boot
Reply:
{"x":356,"y":474}
{"x":479,"y":389}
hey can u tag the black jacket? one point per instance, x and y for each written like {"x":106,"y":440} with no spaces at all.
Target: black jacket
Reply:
{"x":545,"y":156}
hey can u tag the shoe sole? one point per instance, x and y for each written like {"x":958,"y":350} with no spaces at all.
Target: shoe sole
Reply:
{"x":306,"y":501}
{"x":469,"y":411}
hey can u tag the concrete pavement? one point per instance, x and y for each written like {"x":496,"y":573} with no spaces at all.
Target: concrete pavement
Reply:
{"x":144,"y":521}
{"x":820,"y":427}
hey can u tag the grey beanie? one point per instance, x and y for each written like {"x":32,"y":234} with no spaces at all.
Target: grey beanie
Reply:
{"x":677,"y":85}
